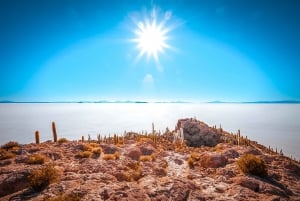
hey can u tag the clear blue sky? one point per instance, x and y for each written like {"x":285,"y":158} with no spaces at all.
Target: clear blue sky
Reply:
{"x":232,"y":50}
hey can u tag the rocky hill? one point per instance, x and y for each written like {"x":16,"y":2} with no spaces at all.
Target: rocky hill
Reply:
{"x":194,"y":162}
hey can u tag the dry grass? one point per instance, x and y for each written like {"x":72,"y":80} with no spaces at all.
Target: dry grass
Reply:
{"x":250,"y":164}
{"x":192,"y":159}
{"x":114,"y":156}
{"x":134,"y":172}
{"x":41,"y":178}
{"x":97,"y":151}
{"x":83,"y":154}
{"x":36,"y":159}
{"x":4,"y":154}
{"x":146,"y":158}
{"x":64,"y":197}
{"x":63,"y":140}
{"x":10,"y":145}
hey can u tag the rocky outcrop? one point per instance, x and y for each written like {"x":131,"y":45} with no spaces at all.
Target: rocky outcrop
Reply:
{"x":197,"y":133}
{"x":181,"y":174}
{"x":213,"y":160}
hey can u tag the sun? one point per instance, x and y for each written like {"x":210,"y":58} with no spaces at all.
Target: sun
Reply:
{"x":151,"y":36}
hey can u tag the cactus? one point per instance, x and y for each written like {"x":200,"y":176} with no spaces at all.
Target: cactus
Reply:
{"x":238,"y":136}
{"x":99,"y":138}
{"x":82,"y":138}
{"x":54,"y":132}
{"x":37,"y":137}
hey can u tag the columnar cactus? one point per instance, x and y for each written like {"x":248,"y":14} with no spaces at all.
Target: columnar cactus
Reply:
{"x":54,"y":132}
{"x":37,"y":137}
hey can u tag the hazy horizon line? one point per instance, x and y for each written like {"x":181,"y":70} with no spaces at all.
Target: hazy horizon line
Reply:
{"x":156,"y":101}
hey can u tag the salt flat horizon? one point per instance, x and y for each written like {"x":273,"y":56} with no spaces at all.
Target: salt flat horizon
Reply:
{"x":269,"y":124}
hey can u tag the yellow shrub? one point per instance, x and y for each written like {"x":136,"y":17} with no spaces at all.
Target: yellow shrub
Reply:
{"x":108,"y":156}
{"x":63,"y":140}
{"x":87,"y":147}
{"x":6,"y":154}
{"x":36,"y":159}
{"x":64,"y":197}
{"x":97,"y":151}
{"x":117,"y":155}
{"x":146,"y":158}
{"x":190,"y":162}
{"x":10,"y":145}
{"x":250,"y":164}
{"x":84,"y":154}
{"x":41,"y":178}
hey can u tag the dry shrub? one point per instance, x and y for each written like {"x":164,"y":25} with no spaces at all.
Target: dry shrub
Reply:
{"x":93,"y":144}
{"x":190,"y":162}
{"x":64,"y":197}
{"x":117,"y":155}
{"x":10,"y":145}
{"x":63,"y":140}
{"x":39,"y":179}
{"x":36,"y":159}
{"x":97,"y":151}
{"x":133,"y":174}
{"x":250,"y":164}
{"x":4,"y":154}
{"x":114,"y":156}
{"x":108,"y":156}
{"x":195,"y":156}
{"x":146,"y":158}
{"x":83,"y":154}
{"x":192,"y":159}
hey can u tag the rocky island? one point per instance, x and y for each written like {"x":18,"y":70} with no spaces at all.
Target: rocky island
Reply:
{"x":192,"y":162}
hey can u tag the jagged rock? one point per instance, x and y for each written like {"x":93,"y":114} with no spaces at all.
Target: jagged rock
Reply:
{"x":14,"y":182}
{"x":147,"y":149}
{"x":231,"y":153}
{"x":197,"y":133}
{"x":134,"y":154}
{"x":109,"y":149}
{"x":213,"y":160}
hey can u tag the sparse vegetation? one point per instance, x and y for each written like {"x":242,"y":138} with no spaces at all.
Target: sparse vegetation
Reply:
{"x":64,"y":197}
{"x":10,"y":145}
{"x":41,"y":178}
{"x":62,"y":140}
{"x":4,"y":154}
{"x":192,"y":159}
{"x":146,"y":158}
{"x":83,"y":154}
{"x":250,"y":164}
{"x":36,"y":159}
{"x":97,"y":151}
{"x":134,"y":172}
{"x":114,"y":156}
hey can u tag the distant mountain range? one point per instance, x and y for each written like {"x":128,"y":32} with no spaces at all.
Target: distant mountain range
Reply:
{"x":138,"y":101}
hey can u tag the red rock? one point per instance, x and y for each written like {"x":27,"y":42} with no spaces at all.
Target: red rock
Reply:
{"x":109,"y":148}
{"x":197,"y":133}
{"x":147,"y":149}
{"x":134,"y":154}
{"x":213,"y":160}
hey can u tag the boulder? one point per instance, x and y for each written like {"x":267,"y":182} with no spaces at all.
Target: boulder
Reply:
{"x":134,"y":154}
{"x":213,"y":160}
{"x":14,"y":182}
{"x":109,"y":148}
{"x":197,"y":133}
{"x":147,"y":149}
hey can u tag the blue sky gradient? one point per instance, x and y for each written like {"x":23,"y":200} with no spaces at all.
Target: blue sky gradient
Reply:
{"x":230,"y":50}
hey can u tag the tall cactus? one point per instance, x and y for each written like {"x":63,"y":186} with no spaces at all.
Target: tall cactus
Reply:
{"x":37,"y":137}
{"x":54,"y":132}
